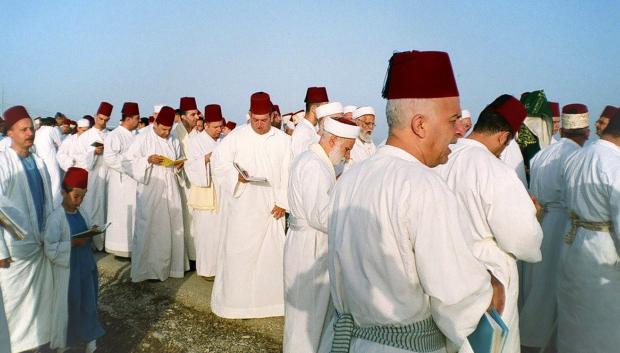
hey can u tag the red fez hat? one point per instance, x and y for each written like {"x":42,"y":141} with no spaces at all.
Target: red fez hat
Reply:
{"x":420,"y":74}
{"x":555,"y":108}
{"x":151,"y":119}
{"x":231,"y":125}
{"x":213,"y":113}
{"x":260,"y":103}
{"x":316,"y":95}
{"x":165,"y":116}
{"x":130,"y":109}
{"x":276,"y":108}
{"x":13,"y":115}
{"x":105,"y":108}
{"x":514,"y":112}
{"x":76,"y":178}
{"x":574,"y":108}
{"x":188,"y":103}
{"x":609,"y":111}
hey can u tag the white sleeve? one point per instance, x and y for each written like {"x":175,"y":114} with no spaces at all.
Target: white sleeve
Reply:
{"x":135,"y":162}
{"x":64,"y":155}
{"x":222,"y":160}
{"x":112,"y":153}
{"x":281,"y":192}
{"x":315,"y":194}
{"x":195,"y":166}
{"x":57,"y":250}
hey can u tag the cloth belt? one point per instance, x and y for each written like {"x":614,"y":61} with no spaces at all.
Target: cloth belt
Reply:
{"x":576,"y":222}
{"x":420,"y":336}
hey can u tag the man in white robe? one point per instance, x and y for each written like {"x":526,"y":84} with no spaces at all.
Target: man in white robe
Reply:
{"x":66,"y":153}
{"x":589,"y":278}
{"x":306,"y":281}
{"x":158,"y":249}
{"x":121,"y":187}
{"x":46,"y":143}
{"x":495,"y":201}
{"x":513,"y":157}
{"x":539,"y":311}
{"x":557,"y":136}
{"x":248,"y":282}
{"x":364,"y":146}
{"x":603,"y":120}
{"x":397,"y":253}
{"x":89,"y":155}
{"x":25,"y":272}
{"x":188,"y":112}
{"x":205,"y":199}
{"x":306,"y":130}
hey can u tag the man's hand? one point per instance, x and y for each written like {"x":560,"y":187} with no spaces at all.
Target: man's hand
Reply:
{"x":155,"y":159}
{"x":99,"y":150}
{"x":208,"y":157}
{"x":79,"y":241}
{"x":499,"y":295}
{"x":539,"y":208}
{"x":6,"y":263}
{"x":241,"y":179}
{"x":278,"y":212}
{"x":179,"y":165}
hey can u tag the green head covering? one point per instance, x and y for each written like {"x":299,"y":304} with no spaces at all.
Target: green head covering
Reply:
{"x":536,"y":104}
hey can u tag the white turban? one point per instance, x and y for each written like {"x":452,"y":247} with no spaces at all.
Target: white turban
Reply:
{"x":329,"y":109}
{"x":361,"y":111}
{"x":340,"y":129}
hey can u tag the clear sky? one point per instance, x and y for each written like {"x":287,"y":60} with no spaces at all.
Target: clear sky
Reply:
{"x":69,"y":55}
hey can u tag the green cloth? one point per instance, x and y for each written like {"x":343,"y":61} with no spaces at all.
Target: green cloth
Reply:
{"x":536,"y":104}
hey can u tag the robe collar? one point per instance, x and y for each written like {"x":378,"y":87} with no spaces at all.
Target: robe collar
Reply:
{"x":319,"y":151}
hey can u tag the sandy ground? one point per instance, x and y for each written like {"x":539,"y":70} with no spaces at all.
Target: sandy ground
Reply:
{"x":172,"y":316}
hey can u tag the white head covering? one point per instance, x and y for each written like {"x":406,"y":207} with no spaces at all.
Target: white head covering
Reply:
{"x":465,"y":114}
{"x":361,"y":111}
{"x":83,"y":123}
{"x":575,"y":121}
{"x":296,"y":118}
{"x":329,"y":109}
{"x":157,"y":108}
{"x":339,"y":129}
{"x":350,"y":108}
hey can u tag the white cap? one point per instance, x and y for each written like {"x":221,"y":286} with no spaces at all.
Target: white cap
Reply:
{"x":290,"y":125}
{"x":361,"y":111}
{"x":350,"y":108}
{"x":157,"y":108}
{"x":83,"y":123}
{"x":296,"y":118}
{"x":339,"y":129}
{"x":575,"y":121}
{"x":329,"y":109}
{"x":465,"y":114}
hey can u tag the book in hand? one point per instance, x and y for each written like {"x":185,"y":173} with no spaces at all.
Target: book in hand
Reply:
{"x":490,"y":335}
{"x":167,"y":162}
{"x":93,"y":231}
{"x":96,"y":144}
{"x":11,"y":226}
{"x":247,"y":175}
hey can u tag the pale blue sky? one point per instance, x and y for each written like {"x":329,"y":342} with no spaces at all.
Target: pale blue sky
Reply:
{"x":69,"y":55}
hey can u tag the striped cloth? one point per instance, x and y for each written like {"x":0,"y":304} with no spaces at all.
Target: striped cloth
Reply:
{"x":576,"y":222}
{"x":421,"y":336}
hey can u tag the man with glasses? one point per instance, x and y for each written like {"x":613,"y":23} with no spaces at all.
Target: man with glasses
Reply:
{"x":364,"y":147}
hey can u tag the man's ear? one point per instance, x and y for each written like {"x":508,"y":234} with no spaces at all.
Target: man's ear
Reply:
{"x":503,"y":138}
{"x":418,"y":125}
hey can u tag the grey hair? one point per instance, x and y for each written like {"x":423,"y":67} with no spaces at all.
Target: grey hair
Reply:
{"x":398,"y":110}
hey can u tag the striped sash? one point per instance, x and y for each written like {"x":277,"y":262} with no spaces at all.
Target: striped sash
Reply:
{"x":421,"y":336}
{"x":577,"y":222}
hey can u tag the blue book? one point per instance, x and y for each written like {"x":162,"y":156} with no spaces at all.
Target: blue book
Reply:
{"x":490,"y":335}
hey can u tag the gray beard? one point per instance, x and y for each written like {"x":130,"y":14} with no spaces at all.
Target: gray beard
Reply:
{"x":365,"y":137}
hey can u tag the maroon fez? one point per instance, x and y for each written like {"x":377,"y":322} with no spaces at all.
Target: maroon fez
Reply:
{"x":76,"y":178}
{"x":165,"y":116}
{"x":316,"y":95}
{"x":188,"y":103}
{"x":130,"y":109}
{"x":514,"y":112}
{"x":260,"y":103}
{"x":213,"y":113}
{"x":575,"y":108}
{"x":231,"y":125}
{"x":105,"y":108}
{"x":609,"y":111}
{"x":13,"y":115}
{"x":420,"y":74}
{"x":276,"y":108}
{"x":151,"y":119}
{"x":555,"y":108}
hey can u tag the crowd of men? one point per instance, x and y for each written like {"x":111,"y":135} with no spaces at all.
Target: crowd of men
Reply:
{"x":362,"y":249}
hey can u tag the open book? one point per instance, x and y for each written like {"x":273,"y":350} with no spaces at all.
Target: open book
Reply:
{"x":93,"y":231}
{"x":167,"y":162}
{"x":96,"y":144}
{"x":490,"y":335}
{"x":11,"y":226}
{"x":247,"y":175}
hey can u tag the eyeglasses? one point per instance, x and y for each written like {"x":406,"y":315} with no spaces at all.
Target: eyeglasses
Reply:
{"x":369,"y":123}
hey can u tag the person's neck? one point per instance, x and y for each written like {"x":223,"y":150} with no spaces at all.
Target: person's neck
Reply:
{"x":68,"y":208}
{"x":100,"y":128}
{"x":186,"y":126}
{"x":610,"y":138}
{"x":21,"y":151}
{"x":413,"y":149}
{"x":481,"y":138}
{"x":311,"y":118}
{"x":580,"y":140}
{"x":127,"y":126}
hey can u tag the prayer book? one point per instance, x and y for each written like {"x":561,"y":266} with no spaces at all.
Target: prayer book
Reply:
{"x":247,"y":175}
{"x":96,"y":144}
{"x":167,"y":162}
{"x":11,"y":226}
{"x":93,"y":231}
{"x":490,"y":335}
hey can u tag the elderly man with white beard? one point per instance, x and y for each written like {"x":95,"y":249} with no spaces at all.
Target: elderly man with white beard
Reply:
{"x":364,"y":147}
{"x":306,"y":281}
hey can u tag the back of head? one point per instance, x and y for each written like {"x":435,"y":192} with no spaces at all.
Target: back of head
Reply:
{"x":491,"y":119}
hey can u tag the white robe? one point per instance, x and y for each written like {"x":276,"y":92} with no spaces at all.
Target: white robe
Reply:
{"x":589,"y":276}
{"x":121,"y":193}
{"x":66,"y":152}
{"x":304,"y":135}
{"x":539,"y":310}
{"x":505,"y":228}
{"x":248,"y":282}
{"x":183,"y":136}
{"x":513,"y":157}
{"x":207,"y":225}
{"x":397,"y":251}
{"x":158,"y":249}
{"x":306,"y":280}
{"x":361,"y":151}
{"x":95,"y":201}
{"x":27,"y":284}
{"x":46,"y":143}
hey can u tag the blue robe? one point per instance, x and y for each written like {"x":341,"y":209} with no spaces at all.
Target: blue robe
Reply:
{"x":83,"y":325}
{"x":35,"y":181}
